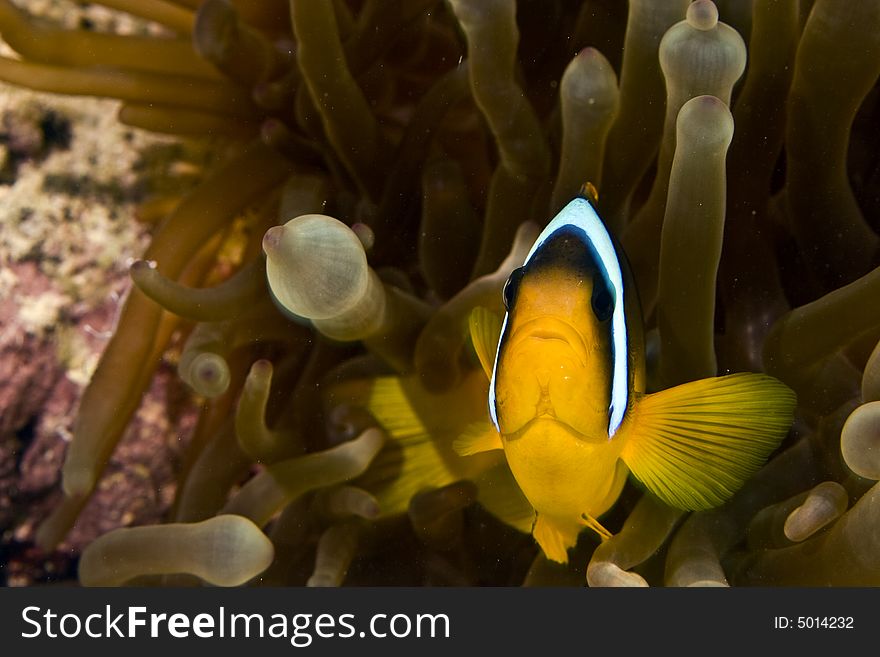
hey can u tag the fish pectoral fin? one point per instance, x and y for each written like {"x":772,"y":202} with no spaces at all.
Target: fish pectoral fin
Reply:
{"x":695,"y":445}
{"x":596,"y":526}
{"x":554,"y":539}
{"x":477,"y":437}
{"x":485,"y":329}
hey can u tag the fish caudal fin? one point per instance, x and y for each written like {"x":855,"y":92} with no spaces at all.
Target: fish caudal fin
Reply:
{"x":485,"y":329}
{"x":694,"y":445}
{"x":478,"y":437}
{"x":554,"y":538}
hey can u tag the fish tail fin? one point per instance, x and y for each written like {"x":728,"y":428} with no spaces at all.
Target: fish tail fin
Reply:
{"x":554,"y":538}
{"x":695,"y":445}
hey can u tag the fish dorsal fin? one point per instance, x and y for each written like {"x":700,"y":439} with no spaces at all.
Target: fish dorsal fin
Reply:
{"x":694,"y":445}
{"x":477,"y":437}
{"x":485,"y":328}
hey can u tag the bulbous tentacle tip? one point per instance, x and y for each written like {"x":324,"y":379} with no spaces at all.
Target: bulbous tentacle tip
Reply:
{"x":590,"y":79}
{"x":142,"y":271}
{"x":365,"y":234}
{"x":317,"y":268}
{"x":272,"y":240}
{"x":140,"y":266}
{"x":589,"y":53}
{"x":860,"y":441}
{"x":709,"y":103}
{"x":594,"y":62}
{"x":871,"y":377}
{"x":824,"y":504}
{"x":702,"y":15}
{"x":706,"y":120}
{"x":348,"y":501}
{"x":262,"y":367}
{"x":708,"y":584}
{"x":77,"y":479}
{"x":209,"y":374}
{"x":607,"y":574}
{"x":214,"y":29}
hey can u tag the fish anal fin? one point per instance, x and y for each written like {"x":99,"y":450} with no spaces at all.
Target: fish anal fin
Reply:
{"x":554,"y":538}
{"x":695,"y":445}
{"x":477,"y":437}
{"x":485,"y":330}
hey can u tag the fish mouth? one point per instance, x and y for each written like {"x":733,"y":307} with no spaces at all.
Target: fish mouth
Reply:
{"x":552,"y":328}
{"x":556,"y":424}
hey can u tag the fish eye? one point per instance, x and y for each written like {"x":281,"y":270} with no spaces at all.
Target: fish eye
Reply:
{"x":602,"y":301}
{"x":511,"y":286}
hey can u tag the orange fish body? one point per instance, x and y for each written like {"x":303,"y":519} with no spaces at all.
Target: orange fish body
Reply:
{"x":567,"y":402}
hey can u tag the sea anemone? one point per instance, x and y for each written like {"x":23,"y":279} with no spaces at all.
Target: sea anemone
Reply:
{"x":379,"y":168}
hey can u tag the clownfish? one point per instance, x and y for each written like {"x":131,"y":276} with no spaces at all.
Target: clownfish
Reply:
{"x":567,"y":401}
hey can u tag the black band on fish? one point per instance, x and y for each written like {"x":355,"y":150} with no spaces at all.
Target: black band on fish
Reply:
{"x":511,"y":286}
{"x":577,"y":236}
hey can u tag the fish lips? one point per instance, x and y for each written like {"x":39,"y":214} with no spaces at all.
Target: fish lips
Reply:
{"x":552,"y":328}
